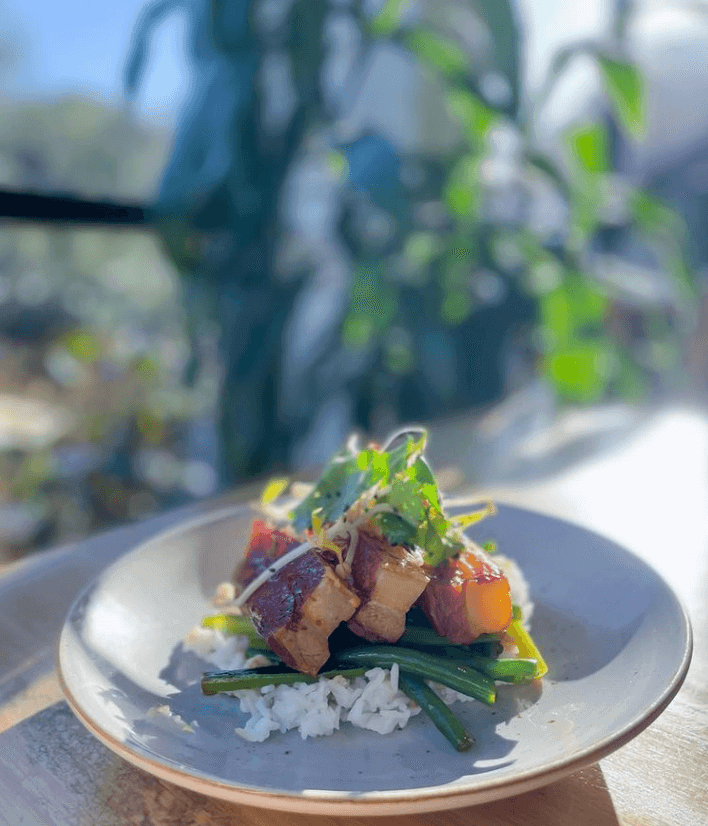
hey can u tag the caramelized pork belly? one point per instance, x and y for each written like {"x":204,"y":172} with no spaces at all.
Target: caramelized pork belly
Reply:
{"x":297,"y":609}
{"x":388,"y":579}
{"x":467,"y":596}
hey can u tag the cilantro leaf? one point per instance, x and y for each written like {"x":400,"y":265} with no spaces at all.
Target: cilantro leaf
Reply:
{"x":336,"y":485}
{"x":396,"y":530}
{"x":350,"y":474}
{"x":404,"y":482}
{"x":404,"y":496}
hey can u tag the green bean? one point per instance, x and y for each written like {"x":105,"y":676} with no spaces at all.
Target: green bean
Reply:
{"x":444,"y":720}
{"x":488,"y":645}
{"x":486,"y":638}
{"x":418,"y":636}
{"x":520,"y":670}
{"x":215,"y":681}
{"x":258,"y":642}
{"x":252,"y":651}
{"x":488,"y":650}
{"x":452,"y":673}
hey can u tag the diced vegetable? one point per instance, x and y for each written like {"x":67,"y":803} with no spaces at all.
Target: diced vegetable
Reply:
{"x":466,"y":597}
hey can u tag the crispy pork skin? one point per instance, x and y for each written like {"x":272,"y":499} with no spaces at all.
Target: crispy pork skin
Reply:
{"x":297,"y":609}
{"x":388,"y":579}
{"x":467,"y":596}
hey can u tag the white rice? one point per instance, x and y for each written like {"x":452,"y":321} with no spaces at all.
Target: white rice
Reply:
{"x":166,"y":712}
{"x":372,"y":702}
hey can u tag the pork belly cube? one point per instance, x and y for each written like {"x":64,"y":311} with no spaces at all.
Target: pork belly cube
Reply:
{"x":297,"y":609}
{"x":467,"y":596}
{"x":388,"y":579}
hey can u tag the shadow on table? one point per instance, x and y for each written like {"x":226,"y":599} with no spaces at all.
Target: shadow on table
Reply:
{"x":78,"y":780}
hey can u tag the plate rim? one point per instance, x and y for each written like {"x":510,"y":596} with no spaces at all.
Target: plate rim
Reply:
{"x":387,"y":802}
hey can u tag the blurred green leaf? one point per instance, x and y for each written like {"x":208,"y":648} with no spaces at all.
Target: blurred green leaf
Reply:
{"x":625,"y":88}
{"x":398,"y":353}
{"x":420,"y":248}
{"x":145,"y":368}
{"x":556,"y":314}
{"x":579,"y":370}
{"x":373,"y":304}
{"x":83,"y":346}
{"x":573,"y":307}
{"x":659,"y":223}
{"x":437,"y":51}
{"x":590,"y":153}
{"x":337,"y":164}
{"x":471,"y":113}
{"x":589,"y":303}
{"x":34,"y":471}
{"x":462,"y":191}
{"x":650,"y":215}
{"x":590,"y":148}
{"x":387,"y":21}
{"x":585,"y":214}
{"x":629,"y":381}
{"x":684,"y":278}
{"x":357,"y":332}
{"x":456,"y":306}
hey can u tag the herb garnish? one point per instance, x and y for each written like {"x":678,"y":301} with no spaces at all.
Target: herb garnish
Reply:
{"x":399,"y":488}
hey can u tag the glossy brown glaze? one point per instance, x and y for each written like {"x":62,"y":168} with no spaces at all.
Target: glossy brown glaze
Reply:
{"x":467,"y":596}
{"x":265,"y":546}
{"x":388,"y":579}
{"x":279,"y":601}
{"x":297,"y":609}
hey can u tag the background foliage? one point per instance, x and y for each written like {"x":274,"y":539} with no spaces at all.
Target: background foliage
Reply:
{"x":365,"y":226}
{"x":455,"y":258}
{"x":94,"y":419}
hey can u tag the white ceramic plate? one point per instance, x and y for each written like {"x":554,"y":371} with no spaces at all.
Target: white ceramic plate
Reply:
{"x":616,"y":638}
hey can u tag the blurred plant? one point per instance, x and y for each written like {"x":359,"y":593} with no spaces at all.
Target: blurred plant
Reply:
{"x":91,"y":340}
{"x":449,"y":252}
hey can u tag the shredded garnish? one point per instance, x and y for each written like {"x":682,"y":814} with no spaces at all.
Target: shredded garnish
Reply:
{"x":392,"y":488}
{"x":273,"y":568}
{"x":272,"y":491}
{"x":467,"y":519}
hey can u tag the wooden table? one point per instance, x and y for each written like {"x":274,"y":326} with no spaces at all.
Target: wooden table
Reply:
{"x":649,"y":492}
